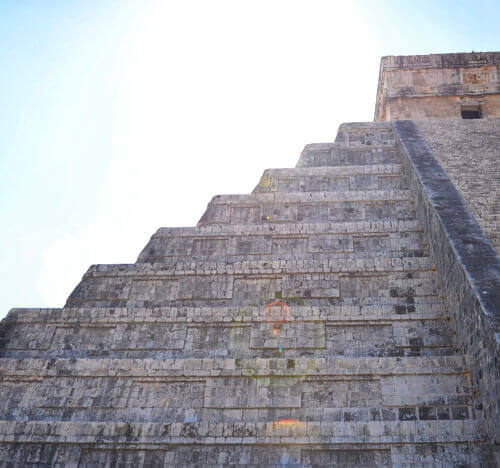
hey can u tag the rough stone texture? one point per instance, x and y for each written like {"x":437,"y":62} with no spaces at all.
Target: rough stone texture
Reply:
{"x":171,"y":362}
{"x":469,"y":152}
{"x":468,"y":267}
{"x":438,"y":86}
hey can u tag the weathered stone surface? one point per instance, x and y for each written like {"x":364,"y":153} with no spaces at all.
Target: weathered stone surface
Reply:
{"x":367,"y":351}
{"x":386,"y":357}
{"x":469,"y":152}
{"x":468,"y":266}
{"x":438,"y":86}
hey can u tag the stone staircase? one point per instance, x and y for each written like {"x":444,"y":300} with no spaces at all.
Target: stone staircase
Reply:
{"x":172,"y":361}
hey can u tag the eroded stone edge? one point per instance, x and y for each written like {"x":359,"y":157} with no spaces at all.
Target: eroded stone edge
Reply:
{"x":468,"y":267}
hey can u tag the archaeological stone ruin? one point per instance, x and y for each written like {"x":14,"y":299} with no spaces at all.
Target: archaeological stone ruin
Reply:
{"x":345,"y":313}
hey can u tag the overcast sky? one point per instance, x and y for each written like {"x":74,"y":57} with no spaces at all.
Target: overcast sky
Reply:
{"x":119,"y":117}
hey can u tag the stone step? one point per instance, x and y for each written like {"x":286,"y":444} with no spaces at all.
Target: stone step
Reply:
{"x":373,"y":134}
{"x":235,"y":366}
{"x":265,"y":454}
{"x":249,"y":333}
{"x":391,"y":432}
{"x":396,"y":281}
{"x":176,"y":268}
{"x":351,"y":314}
{"x":256,"y":390}
{"x":336,"y":171}
{"x":331,"y":179}
{"x":336,"y":154}
{"x":256,"y":212}
{"x":325,"y":240}
{"x":312,"y":197}
{"x":331,"y":227}
{"x":166,"y":410}
{"x":283,"y":247}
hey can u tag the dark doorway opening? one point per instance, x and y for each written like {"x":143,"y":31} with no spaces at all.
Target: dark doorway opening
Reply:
{"x":471,"y":112}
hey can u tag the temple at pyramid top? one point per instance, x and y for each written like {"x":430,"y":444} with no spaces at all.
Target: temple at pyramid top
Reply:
{"x":439,"y":86}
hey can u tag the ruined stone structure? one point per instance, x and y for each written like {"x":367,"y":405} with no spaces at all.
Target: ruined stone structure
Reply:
{"x":388,"y":355}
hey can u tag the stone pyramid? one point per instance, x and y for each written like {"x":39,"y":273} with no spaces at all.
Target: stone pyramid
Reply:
{"x":182,"y":359}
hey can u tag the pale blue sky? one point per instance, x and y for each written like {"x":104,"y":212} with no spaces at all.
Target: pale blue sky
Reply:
{"x":119,"y":117}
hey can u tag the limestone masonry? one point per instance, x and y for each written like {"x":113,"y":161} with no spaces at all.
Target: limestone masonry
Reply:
{"x":389,"y":355}
{"x":439,"y":86}
{"x":469,"y":152}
